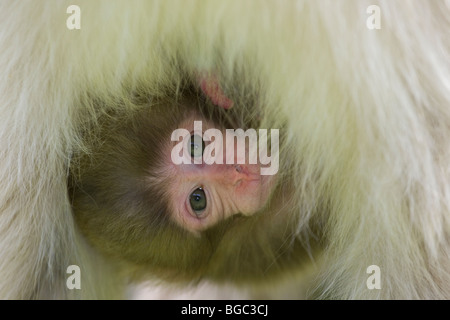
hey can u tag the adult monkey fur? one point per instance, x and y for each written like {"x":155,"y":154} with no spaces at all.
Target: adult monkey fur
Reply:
{"x":367,"y":110}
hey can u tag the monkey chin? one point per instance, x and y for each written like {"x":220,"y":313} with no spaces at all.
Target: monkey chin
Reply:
{"x":257,"y":184}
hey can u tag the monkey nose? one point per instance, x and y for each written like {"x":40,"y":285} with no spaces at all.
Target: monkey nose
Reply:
{"x":247,"y":172}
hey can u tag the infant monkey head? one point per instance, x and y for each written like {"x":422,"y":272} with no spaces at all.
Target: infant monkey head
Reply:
{"x":181,"y":220}
{"x":208,"y":179}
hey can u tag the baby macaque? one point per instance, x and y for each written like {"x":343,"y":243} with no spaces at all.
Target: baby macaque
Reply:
{"x":187,"y":219}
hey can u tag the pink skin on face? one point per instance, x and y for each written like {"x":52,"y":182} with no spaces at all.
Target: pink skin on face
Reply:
{"x":229,"y":188}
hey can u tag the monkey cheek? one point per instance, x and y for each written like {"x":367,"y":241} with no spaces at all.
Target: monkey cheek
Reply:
{"x":254,"y":195}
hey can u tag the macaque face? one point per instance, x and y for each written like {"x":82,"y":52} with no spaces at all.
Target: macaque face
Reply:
{"x":200,"y":195}
{"x":180,"y":221}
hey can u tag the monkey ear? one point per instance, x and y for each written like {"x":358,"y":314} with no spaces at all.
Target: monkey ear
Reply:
{"x":211,"y":88}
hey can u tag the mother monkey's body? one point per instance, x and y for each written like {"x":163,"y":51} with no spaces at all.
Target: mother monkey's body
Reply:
{"x":365,"y":113}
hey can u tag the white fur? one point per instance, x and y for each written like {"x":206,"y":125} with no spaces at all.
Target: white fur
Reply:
{"x":369,"y":111}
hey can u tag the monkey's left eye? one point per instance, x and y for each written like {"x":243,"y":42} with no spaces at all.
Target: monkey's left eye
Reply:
{"x":196,"y":145}
{"x":197,"y":200}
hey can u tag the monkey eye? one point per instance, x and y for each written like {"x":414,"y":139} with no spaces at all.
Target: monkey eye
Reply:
{"x":197,"y":200}
{"x":196,"y":145}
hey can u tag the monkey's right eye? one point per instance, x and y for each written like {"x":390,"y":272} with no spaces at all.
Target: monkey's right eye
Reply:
{"x":197,"y":200}
{"x":196,"y":145}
